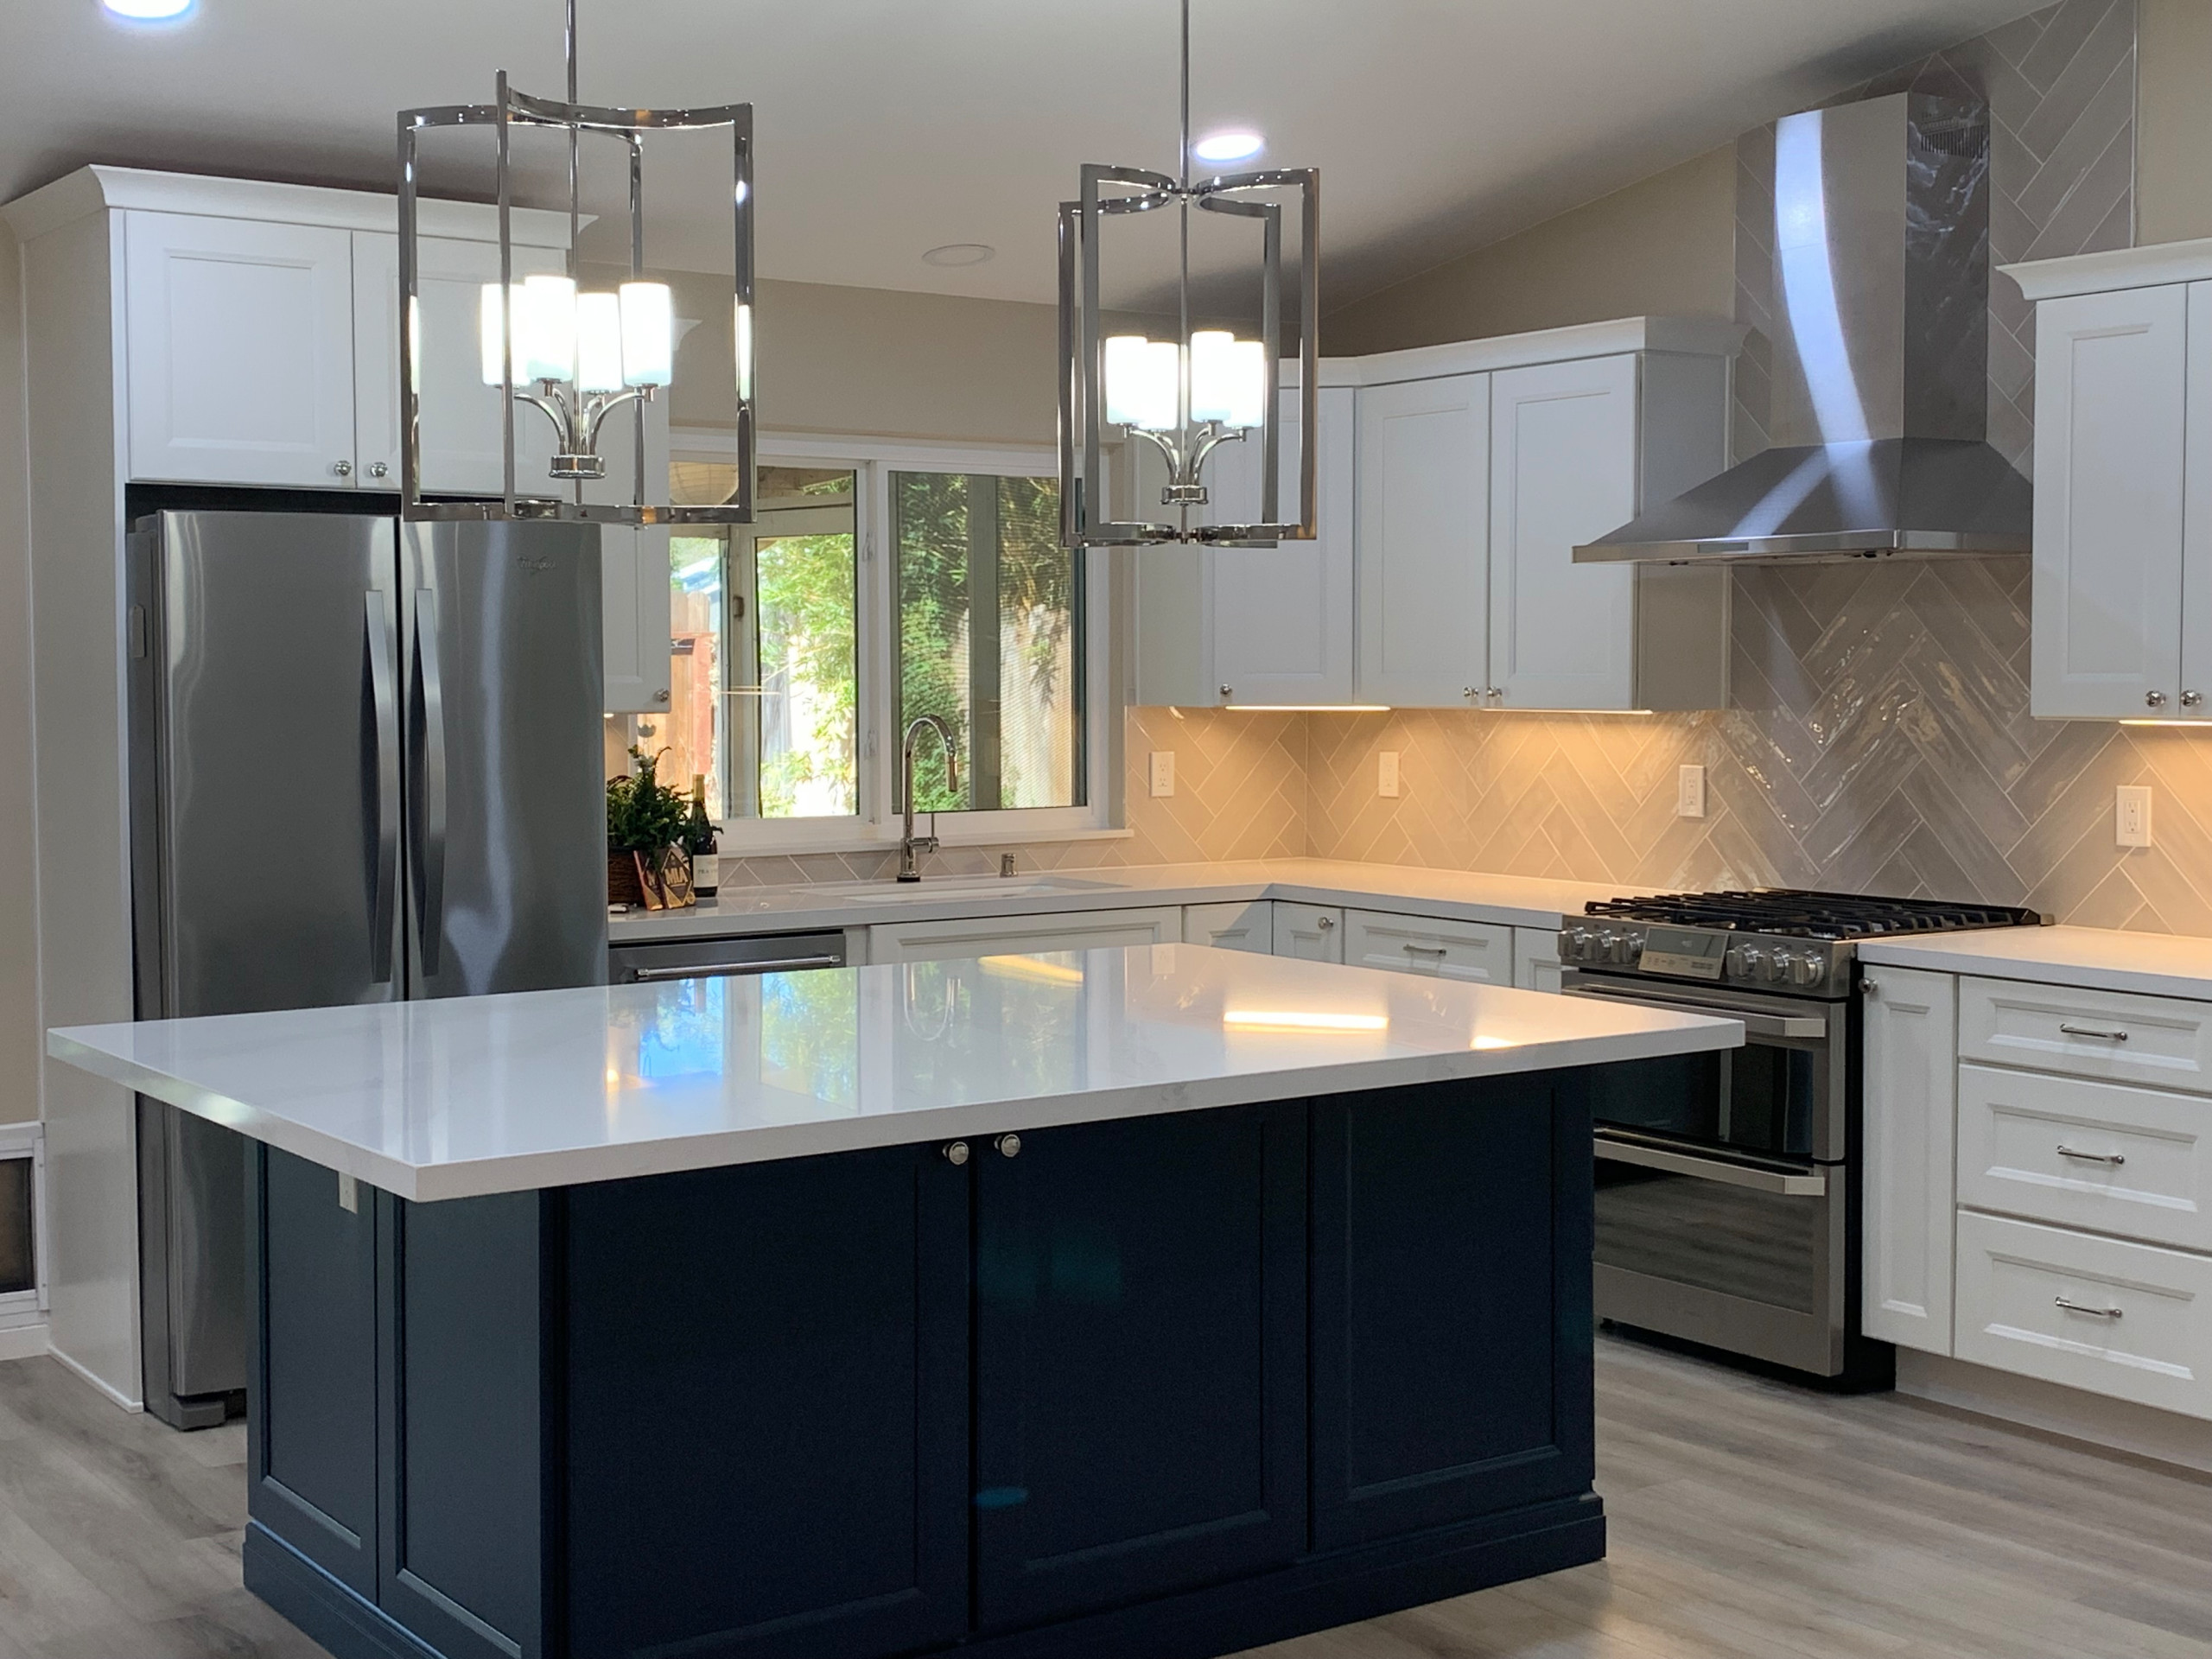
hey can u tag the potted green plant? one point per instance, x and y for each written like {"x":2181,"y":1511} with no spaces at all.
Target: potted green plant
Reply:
{"x":644,"y":820}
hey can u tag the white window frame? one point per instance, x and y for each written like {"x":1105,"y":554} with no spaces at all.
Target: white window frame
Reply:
{"x":876,"y":826}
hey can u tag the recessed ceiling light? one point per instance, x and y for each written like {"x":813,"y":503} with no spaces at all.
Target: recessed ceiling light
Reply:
{"x":1238,"y":146}
{"x":147,"y":11}
{"x":960,"y":253}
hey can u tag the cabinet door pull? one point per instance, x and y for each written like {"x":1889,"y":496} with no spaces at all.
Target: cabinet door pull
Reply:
{"x":1325,"y":923}
{"x":1427,"y":949}
{"x":957,"y":1153}
{"x":2094,"y":1031}
{"x":2083,"y":1308}
{"x":2115,"y":1159}
{"x":1009,"y":1145}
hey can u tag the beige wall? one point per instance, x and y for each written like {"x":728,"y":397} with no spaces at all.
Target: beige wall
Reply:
{"x":19,"y":1036}
{"x":2173,"y":150}
{"x":1665,"y":246}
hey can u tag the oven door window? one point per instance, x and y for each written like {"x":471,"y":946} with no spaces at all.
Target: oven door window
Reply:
{"x":1760,"y":1098}
{"x":1762,"y":1247}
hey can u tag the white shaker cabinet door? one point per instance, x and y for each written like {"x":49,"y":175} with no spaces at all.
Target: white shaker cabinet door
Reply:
{"x":1424,"y":543}
{"x":240,"y":350}
{"x":1233,"y":925}
{"x":1310,"y":932}
{"x":461,"y":453}
{"x":1562,"y":471}
{"x":2110,"y":371}
{"x":1911,"y":1055}
{"x":1282,"y":615}
{"x":2196,"y":515}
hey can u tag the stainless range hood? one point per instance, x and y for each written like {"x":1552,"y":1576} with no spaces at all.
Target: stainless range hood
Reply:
{"x":1880,"y":341}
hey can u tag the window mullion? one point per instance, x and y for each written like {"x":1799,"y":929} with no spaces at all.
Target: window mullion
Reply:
{"x":983,"y":716}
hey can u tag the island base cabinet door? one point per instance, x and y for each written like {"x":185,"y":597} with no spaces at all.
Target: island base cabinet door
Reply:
{"x":767,"y":1410}
{"x":1452,"y":1317}
{"x":1140,"y":1354}
{"x":311,"y":1427}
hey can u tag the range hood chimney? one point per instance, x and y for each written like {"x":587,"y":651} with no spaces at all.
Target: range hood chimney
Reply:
{"x":1881,"y":341}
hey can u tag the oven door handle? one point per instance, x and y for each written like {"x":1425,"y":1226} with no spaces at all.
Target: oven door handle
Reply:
{"x":1755,"y":1023}
{"x":1783,"y":1183}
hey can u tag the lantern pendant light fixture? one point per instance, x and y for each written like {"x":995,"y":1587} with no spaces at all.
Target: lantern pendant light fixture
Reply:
{"x":576,"y":355}
{"x":1187,"y":396}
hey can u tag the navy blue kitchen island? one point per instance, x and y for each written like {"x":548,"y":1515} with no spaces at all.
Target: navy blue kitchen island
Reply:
{"x":1149,"y":1378}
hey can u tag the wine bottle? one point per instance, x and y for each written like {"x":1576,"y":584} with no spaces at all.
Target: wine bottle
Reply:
{"x":699,"y":841}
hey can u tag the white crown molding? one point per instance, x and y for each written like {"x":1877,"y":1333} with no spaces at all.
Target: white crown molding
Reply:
{"x":2115,"y":268}
{"x":95,"y":189}
{"x":1685,"y":336}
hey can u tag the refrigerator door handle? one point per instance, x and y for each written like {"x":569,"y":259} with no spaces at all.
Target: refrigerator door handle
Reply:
{"x":430,"y":782}
{"x":384,"y":699}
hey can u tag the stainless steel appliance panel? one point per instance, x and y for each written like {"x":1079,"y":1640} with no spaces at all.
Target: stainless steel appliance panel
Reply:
{"x":506,"y":846}
{"x":270,"y":747}
{"x":769,"y":953}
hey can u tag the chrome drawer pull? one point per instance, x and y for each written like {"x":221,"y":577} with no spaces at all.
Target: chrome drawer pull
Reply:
{"x":2091,"y":1031}
{"x":2081,"y":1308}
{"x":2115,"y":1159}
{"x":1427,"y":949}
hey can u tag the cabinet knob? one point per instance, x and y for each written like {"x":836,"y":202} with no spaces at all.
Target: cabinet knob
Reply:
{"x":2190,"y":699}
{"x":2155,"y":699}
{"x":1469,"y":691}
{"x":660,"y":696}
{"x":1325,"y":923}
{"x":378,"y":469}
{"x":957,"y":1153}
{"x":1495,"y":694}
{"x":1228,"y":690}
{"x":1009,"y":1145}
{"x":342,"y":469}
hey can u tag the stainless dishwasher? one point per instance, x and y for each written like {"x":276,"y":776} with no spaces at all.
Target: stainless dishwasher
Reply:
{"x":761,"y":953}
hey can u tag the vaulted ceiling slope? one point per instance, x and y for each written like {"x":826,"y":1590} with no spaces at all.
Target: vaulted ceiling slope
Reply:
{"x":888,"y":128}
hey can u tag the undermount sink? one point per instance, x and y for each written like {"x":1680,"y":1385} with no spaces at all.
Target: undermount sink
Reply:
{"x":953,"y":887}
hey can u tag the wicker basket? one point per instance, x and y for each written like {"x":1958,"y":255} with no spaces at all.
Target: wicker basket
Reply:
{"x":622,"y":886}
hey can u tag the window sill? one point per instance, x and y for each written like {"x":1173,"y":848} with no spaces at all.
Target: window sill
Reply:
{"x":790,"y":840}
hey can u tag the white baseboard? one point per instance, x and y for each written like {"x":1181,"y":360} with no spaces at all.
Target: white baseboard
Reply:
{"x":2116,"y":1425}
{"x":24,"y":1341}
{"x":128,"y":1402}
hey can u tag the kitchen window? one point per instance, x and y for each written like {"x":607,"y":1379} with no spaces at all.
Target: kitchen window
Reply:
{"x":875,"y":586}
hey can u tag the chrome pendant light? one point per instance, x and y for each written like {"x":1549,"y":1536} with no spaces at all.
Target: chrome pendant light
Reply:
{"x":577,"y":357}
{"x":1187,"y":396}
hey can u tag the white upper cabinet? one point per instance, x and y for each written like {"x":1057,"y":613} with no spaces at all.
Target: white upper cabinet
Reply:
{"x":1220,"y":625}
{"x":1562,"y":471}
{"x":2110,"y":402}
{"x":1424,"y":531}
{"x":1282,"y":615}
{"x":461,"y":453}
{"x":240,"y":353}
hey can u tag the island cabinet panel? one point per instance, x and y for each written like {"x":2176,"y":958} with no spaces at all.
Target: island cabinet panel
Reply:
{"x":1140,"y":1359}
{"x":312,"y":1451}
{"x":767,"y":1410}
{"x":1452,"y":1317}
{"x":461,"y":1413}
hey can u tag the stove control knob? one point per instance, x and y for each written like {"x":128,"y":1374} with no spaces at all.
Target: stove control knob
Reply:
{"x":1747,"y":960}
{"x":1632,"y":945}
{"x":1779,"y":967}
{"x":1603,"y":950}
{"x":1808,"y":969}
{"x":1575,"y":945}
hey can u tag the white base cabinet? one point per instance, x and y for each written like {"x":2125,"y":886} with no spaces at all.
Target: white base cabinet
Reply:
{"x":1313,"y":933}
{"x":1479,"y":952}
{"x":1910,"y":1054}
{"x":1232,"y":926}
{"x":986,"y":936}
{"x":1535,"y":959}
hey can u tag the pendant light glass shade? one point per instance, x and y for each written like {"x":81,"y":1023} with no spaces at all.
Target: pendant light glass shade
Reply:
{"x":590,"y":355}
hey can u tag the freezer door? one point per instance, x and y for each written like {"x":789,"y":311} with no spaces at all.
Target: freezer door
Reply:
{"x":268,"y":748}
{"x":507,"y":838}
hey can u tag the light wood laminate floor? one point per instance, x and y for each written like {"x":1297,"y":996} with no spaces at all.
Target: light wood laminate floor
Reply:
{"x":1750,"y":1520}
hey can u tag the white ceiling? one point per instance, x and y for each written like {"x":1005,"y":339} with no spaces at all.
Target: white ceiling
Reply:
{"x":888,"y":127}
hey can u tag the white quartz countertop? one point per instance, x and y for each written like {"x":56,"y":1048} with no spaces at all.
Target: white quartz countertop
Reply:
{"x":497,"y":1094}
{"x":1511,"y":900}
{"x":2103,"y":958}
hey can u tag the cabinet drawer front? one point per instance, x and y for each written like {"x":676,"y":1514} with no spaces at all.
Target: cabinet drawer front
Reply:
{"x":2129,"y":1320}
{"x":991,"y":935}
{"x":1420,"y":944}
{"x":2161,"y":1040}
{"x":2099,"y":1156}
{"x":1234,"y":926}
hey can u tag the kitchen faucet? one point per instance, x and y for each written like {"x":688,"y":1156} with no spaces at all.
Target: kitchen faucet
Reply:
{"x":911,"y":844}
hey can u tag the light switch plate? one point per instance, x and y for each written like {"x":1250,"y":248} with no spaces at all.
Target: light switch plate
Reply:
{"x":1160,"y":768}
{"x":1689,"y":793}
{"x":2131,"y":813}
{"x":1386,"y":774}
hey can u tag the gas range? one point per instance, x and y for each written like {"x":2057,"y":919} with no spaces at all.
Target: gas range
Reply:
{"x":1779,"y":940}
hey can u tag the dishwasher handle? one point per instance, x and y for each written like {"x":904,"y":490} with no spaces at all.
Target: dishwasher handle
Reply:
{"x":733,"y":969}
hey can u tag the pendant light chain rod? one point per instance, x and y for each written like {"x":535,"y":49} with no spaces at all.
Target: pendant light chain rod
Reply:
{"x":576,"y":270}
{"x":1183,"y":284}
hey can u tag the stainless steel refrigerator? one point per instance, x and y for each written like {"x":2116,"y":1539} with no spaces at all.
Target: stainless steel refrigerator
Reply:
{"x":365,"y":766}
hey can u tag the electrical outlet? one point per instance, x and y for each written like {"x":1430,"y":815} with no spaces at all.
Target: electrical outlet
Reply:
{"x":1160,"y":769}
{"x":1386,"y":774}
{"x":2131,"y":811}
{"x":1689,"y":793}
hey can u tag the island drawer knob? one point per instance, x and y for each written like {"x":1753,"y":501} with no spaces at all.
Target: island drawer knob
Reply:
{"x":1009,"y":1145}
{"x":957,"y":1153}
